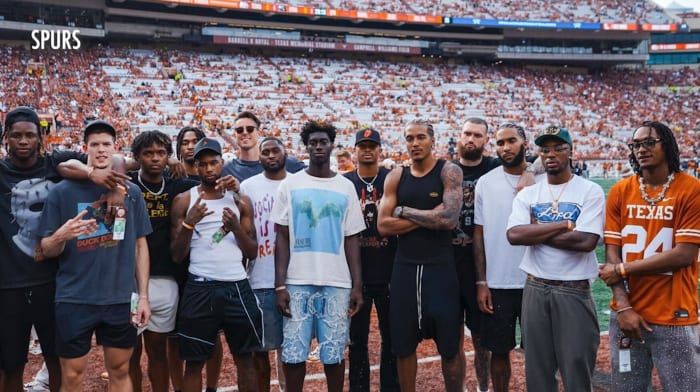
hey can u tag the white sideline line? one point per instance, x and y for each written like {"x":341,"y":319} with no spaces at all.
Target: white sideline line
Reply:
{"x":321,"y":376}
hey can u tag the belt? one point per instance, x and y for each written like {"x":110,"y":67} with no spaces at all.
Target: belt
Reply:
{"x":573,"y":284}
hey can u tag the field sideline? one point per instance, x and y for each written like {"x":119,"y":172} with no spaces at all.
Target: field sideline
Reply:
{"x":601,"y":292}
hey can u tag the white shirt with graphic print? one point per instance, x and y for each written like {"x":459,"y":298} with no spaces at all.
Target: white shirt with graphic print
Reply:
{"x":320,"y":213}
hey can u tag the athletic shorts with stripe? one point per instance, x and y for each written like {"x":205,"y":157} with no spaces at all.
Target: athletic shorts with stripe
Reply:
{"x":206,"y":307}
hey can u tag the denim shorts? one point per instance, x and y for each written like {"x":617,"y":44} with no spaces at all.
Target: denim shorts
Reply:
{"x":272,"y":319}
{"x":321,"y":311}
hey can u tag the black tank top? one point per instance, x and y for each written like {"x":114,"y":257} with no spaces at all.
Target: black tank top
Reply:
{"x":422,"y":245}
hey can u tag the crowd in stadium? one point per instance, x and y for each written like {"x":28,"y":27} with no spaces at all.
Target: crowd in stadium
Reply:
{"x":600,"y":11}
{"x":134,"y":90}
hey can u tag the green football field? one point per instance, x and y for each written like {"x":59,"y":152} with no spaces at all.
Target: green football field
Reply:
{"x":601,"y":292}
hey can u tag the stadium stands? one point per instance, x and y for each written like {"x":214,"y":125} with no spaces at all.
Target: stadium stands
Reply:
{"x":603,"y":11}
{"x":133,"y":88}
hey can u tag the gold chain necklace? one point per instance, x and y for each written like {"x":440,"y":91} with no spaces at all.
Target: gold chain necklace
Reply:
{"x":555,"y":202}
{"x":515,"y":187}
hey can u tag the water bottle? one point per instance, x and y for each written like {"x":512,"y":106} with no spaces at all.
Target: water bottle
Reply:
{"x":218,"y":236}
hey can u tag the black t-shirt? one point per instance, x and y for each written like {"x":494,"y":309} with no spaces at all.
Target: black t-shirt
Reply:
{"x":462,"y":237}
{"x":158,"y":205}
{"x":377,"y":252}
{"x":24,"y":192}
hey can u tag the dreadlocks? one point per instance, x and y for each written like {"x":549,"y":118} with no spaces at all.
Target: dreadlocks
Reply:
{"x":669,"y":144}
{"x":181,"y":135}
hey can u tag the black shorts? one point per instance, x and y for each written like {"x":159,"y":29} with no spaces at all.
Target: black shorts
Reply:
{"x":498,"y":329}
{"x":466,"y":274}
{"x":20,"y":309}
{"x":206,"y":307}
{"x":439,"y":317}
{"x":75,"y":324}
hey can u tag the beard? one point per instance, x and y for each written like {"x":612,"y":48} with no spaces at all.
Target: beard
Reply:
{"x":517,"y":160}
{"x":209,"y":183}
{"x":276,"y":169}
{"x":471,"y":154}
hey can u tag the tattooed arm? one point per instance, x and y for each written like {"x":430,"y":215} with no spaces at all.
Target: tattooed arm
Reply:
{"x":446,"y":215}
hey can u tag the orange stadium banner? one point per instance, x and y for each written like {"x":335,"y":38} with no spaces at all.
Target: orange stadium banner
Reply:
{"x":694,"y":47}
{"x":673,"y":27}
{"x":302,"y":10}
{"x":621,"y":26}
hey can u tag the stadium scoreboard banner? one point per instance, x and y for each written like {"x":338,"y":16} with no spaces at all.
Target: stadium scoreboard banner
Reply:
{"x":288,"y":43}
{"x":428,"y":19}
{"x":529,"y":24}
{"x":310,"y":11}
{"x":680,"y":47}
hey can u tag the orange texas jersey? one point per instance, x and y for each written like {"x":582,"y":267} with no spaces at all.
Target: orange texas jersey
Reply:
{"x":642,"y":230}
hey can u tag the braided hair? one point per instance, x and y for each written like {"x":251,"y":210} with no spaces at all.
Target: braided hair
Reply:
{"x":181,"y":135}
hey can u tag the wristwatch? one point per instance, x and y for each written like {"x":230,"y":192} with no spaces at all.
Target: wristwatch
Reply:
{"x":398,"y":211}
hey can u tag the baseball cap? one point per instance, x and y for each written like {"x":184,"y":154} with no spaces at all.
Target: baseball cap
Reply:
{"x":99,"y":125}
{"x":207,"y":144}
{"x":367,"y":134}
{"x":21,"y":113}
{"x":554,"y":132}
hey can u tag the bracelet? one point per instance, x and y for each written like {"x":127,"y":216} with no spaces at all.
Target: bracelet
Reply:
{"x":187,"y":226}
{"x":143,"y":296}
{"x":626,"y":308}
{"x":616,"y":267}
{"x":280,"y":288}
{"x":481,"y":283}
{"x":90,"y":170}
{"x":569,"y":225}
{"x":623,"y":273}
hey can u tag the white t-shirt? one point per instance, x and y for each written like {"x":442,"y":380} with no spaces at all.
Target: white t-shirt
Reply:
{"x":320,"y":213}
{"x":583,"y":202}
{"x":262,"y":190}
{"x":493,"y":203}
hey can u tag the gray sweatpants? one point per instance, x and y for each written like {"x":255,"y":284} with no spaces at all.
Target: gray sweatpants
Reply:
{"x":673,"y":350}
{"x":560,"y":331}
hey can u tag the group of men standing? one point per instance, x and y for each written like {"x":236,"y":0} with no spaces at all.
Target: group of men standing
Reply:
{"x":283,"y":258}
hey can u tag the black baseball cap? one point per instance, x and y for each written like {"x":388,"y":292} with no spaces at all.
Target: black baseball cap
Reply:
{"x":99,"y":126}
{"x":21,"y":113}
{"x":367,"y":134}
{"x":207,"y":144}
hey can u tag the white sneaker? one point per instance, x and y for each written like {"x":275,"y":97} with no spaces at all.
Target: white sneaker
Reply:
{"x":35,"y":386}
{"x":314,"y":355}
{"x":35,"y":348}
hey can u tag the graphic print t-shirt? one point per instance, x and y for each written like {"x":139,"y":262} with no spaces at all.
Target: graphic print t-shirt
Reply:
{"x":261,"y":191}
{"x":580,"y":201}
{"x":24,"y":192}
{"x":320,"y":213}
{"x":95,"y":269}
{"x":642,"y":230}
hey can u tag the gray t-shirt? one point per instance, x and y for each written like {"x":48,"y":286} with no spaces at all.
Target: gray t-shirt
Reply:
{"x":95,"y":269}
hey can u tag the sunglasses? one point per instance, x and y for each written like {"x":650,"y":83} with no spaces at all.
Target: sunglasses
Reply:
{"x":646,"y":143}
{"x":247,"y":128}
